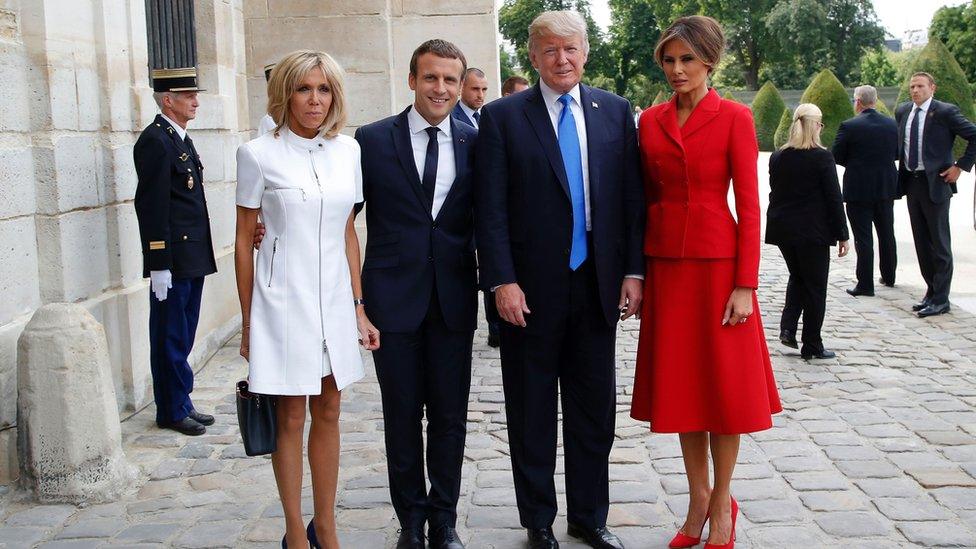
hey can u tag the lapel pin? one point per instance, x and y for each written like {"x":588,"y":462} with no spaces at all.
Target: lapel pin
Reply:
{"x":183,"y":157}
{"x":461,"y":140}
{"x":595,"y":105}
{"x":169,"y":129}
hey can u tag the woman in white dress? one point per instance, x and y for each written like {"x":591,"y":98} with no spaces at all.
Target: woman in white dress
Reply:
{"x":301,"y":303}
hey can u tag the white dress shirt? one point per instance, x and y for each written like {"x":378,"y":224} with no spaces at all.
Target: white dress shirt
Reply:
{"x":921,"y":130}
{"x":446,"y":170}
{"x":555,"y":108}
{"x":470,"y":112}
{"x":180,"y":130}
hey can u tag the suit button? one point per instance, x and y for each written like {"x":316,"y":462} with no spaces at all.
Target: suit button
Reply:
{"x":566,"y":251}
{"x":184,"y":237}
{"x":430,"y":258}
{"x":434,"y":226}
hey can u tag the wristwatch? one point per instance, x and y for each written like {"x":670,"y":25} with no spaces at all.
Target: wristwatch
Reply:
{"x":358,"y":301}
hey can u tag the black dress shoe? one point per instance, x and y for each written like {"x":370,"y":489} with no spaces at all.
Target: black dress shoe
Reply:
{"x":444,"y":537}
{"x":888,"y":283}
{"x":921,"y":305}
{"x":788,"y":338}
{"x":410,"y":539}
{"x":932,"y":309}
{"x":857,"y":291}
{"x":600,"y":538}
{"x":822,"y":354}
{"x":202,"y":419}
{"x":542,"y":539}
{"x":187,"y":426}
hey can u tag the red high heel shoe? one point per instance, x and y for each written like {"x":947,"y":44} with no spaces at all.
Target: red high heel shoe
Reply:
{"x":683,"y":541}
{"x":731,"y":543}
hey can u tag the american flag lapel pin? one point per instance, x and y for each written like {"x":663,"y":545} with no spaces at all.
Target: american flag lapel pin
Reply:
{"x":595,"y":104}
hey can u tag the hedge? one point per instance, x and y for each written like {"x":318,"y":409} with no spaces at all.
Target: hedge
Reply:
{"x":826,"y":92}
{"x":767,"y":109}
{"x":783,"y":129}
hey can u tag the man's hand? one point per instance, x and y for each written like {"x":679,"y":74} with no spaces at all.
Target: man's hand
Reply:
{"x":160,"y":282}
{"x":951,"y":175}
{"x":510,"y":302}
{"x":843,"y":247}
{"x":258,"y":235}
{"x":631,"y":296}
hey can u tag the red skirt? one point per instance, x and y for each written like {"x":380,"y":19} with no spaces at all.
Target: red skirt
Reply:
{"x":693,"y":373}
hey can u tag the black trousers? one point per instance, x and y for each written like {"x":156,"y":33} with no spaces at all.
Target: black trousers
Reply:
{"x":572,"y":357}
{"x":491,"y":314}
{"x":806,"y":292}
{"x":933,"y":244}
{"x":862,"y":216}
{"x":426,"y":371}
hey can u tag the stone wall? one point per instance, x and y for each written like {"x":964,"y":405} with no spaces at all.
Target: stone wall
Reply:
{"x":75,"y":97}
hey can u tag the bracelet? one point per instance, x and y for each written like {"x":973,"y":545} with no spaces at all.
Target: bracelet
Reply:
{"x":358,"y":301}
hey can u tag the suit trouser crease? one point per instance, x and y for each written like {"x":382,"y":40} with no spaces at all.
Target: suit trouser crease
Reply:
{"x":571,"y":360}
{"x":172,"y":329}
{"x":933,"y":243}
{"x":806,"y":292}
{"x":428,"y":370}
{"x":862,"y":216}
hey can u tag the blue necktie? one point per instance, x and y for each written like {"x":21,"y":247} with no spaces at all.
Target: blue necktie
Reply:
{"x":569,"y":146}
{"x":429,"y":180}
{"x":913,"y":141}
{"x":477,"y":117}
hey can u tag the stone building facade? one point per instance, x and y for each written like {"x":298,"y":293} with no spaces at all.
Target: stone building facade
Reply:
{"x":74,"y":95}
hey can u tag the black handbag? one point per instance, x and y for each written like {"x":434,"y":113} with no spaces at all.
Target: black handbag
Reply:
{"x":257,"y":419}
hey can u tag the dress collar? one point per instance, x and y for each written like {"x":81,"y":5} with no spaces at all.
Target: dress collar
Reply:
{"x":316,"y":143}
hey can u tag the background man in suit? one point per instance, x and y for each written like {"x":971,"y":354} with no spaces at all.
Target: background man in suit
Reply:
{"x":514,"y":84}
{"x":560,"y":217}
{"x":473,"y":91}
{"x":927,"y":175}
{"x":867,"y":146}
{"x":420,"y":289}
{"x":177,"y":248}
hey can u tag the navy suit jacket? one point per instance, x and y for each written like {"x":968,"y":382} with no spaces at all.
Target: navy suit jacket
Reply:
{"x":523,"y":211}
{"x":867,"y":146}
{"x":943,"y":124}
{"x":459,"y":114}
{"x":407,"y":250}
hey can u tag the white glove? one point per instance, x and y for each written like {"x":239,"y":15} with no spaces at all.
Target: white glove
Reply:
{"x":160,"y":282}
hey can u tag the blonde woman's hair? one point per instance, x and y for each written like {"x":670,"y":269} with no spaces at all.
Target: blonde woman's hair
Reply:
{"x":288,"y":74}
{"x":805,"y":129}
{"x":564,"y":24}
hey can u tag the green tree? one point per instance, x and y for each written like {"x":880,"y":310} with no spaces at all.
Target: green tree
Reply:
{"x":883,"y":108}
{"x":877,"y":70}
{"x":767,"y":109}
{"x":950,"y":80}
{"x":507,"y":64}
{"x":826,"y":92}
{"x":814,"y":34}
{"x":956,"y":28}
{"x":634,"y":30}
{"x":749,"y":39}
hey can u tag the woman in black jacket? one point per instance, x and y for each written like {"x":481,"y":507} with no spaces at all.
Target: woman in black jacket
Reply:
{"x":805,"y":217}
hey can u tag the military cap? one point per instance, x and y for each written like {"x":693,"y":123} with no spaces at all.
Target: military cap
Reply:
{"x":175,"y":80}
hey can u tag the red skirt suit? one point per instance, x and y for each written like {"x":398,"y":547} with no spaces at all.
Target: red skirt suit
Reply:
{"x":693,"y":373}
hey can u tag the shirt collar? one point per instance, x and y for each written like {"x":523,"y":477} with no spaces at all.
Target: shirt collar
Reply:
{"x":417,"y":123}
{"x":180,"y":130}
{"x":551,"y":96}
{"x":925,"y":106}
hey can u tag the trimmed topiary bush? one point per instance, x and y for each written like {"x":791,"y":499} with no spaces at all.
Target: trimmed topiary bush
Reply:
{"x":728,"y":95}
{"x":767,"y":109}
{"x":950,"y":81}
{"x":783,"y":129}
{"x":883,"y":109}
{"x":826,"y":92}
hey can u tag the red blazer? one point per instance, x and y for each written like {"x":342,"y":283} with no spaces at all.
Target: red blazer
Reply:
{"x":686,"y":182}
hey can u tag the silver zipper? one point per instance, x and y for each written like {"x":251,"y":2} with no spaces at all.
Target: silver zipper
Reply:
{"x":274,"y":252}
{"x":311,"y":160}
{"x":303,"y":190}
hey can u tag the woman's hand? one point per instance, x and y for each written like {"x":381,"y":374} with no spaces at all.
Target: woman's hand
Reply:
{"x":738,"y":309}
{"x":246,"y":343}
{"x":369,"y":336}
{"x":843,"y":247}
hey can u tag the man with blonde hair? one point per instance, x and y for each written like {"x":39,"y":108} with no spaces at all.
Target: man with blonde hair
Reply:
{"x":867,"y":146}
{"x":560,"y":244}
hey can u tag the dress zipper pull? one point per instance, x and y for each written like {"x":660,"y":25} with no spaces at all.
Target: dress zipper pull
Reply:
{"x":325,"y":348}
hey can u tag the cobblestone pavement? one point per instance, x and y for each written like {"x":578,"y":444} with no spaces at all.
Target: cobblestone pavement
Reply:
{"x":876,"y":448}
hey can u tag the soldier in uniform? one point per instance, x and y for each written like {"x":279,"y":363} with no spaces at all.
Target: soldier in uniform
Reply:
{"x":177,"y":248}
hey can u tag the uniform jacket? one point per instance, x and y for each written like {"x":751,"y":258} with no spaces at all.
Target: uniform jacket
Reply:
{"x":687,"y":173}
{"x":943,"y":123}
{"x":867,"y":146}
{"x":407,"y":250}
{"x":171,"y":208}
{"x":523,"y":210}
{"x":805,"y":204}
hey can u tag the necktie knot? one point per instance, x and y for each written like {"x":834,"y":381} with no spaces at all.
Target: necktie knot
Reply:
{"x":476,"y":115}
{"x":432,"y":132}
{"x":565,"y":99}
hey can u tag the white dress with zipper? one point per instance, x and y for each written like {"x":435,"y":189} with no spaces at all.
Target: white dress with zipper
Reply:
{"x":303,"y":320}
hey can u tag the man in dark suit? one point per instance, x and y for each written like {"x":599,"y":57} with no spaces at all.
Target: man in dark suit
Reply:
{"x":473,"y":92}
{"x":177,"y":248}
{"x":867,"y":146}
{"x":559,"y":212}
{"x":927,"y":175}
{"x":420,"y":290}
